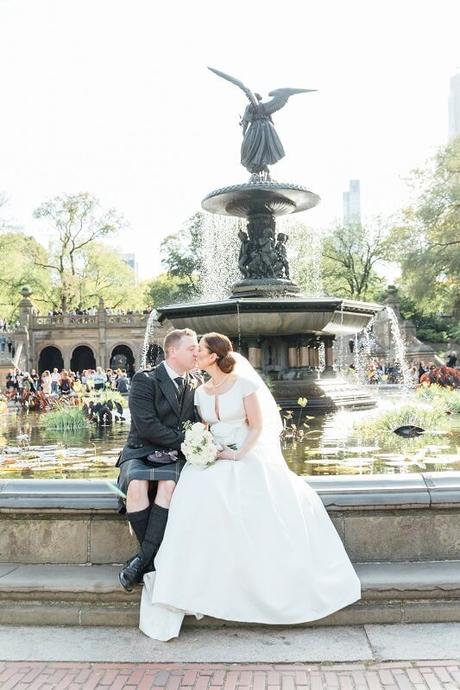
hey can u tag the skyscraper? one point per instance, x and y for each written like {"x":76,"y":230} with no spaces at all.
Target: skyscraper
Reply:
{"x":454,"y":107}
{"x":130,"y":260}
{"x":352,"y":203}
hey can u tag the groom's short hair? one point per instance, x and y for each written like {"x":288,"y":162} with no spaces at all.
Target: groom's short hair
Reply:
{"x":173,"y":338}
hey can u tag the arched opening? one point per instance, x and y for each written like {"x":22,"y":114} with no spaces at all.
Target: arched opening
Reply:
{"x":50,"y":357}
{"x":155,"y":355}
{"x":123,"y":358}
{"x":82,"y":358}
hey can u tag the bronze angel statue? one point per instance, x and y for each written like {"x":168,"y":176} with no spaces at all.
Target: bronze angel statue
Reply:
{"x":261,"y":145}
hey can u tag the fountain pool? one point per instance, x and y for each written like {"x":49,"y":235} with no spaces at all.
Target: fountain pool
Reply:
{"x":331,"y":445}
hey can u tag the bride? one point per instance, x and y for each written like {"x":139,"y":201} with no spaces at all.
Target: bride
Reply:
{"x":246,"y":538}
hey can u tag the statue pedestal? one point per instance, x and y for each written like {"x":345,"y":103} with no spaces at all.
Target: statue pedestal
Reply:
{"x":265,"y":287}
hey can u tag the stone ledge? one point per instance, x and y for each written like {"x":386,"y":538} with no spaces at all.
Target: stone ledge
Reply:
{"x":82,"y":595}
{"x":382,"y":580}
{"x":363,"y":492}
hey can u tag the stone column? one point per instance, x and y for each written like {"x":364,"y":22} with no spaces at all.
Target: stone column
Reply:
{"x":329,"y":354}
{"x":313,"y":349}
{"x":293,"y":352}
{"x":304,"y":353}
{"x":102,"y":335}
{"x":255,"y":353}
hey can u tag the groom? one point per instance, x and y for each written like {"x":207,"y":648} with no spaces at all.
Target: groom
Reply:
{"x":160,"y":401}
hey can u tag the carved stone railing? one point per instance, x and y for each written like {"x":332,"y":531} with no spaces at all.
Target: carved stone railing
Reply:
{"x":127,"y":319}
{"x":90,"y":321}
{"x":65,"y":320}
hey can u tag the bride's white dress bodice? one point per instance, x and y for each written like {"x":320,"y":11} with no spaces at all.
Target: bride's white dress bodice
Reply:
{"x":225,"y":413}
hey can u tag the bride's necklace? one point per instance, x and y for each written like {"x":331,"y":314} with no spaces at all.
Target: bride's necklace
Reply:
{"x":216,"y":385}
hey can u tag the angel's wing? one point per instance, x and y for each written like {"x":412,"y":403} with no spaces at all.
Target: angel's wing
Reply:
{"x":280,"y":98}
{"x":237,"y":82}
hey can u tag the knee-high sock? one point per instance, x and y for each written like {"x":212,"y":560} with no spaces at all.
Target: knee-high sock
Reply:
{"x":139,"y":521}
{"x":154,"y":533}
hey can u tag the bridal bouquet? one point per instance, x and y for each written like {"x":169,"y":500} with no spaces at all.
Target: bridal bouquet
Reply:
{"x":198,"y":446}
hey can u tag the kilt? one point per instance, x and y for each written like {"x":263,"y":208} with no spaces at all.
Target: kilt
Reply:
{"x":137,"y":468}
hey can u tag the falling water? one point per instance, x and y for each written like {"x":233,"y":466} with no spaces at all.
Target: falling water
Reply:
{"x":399,"y":348}
{"x":151,"y":347}
{"x":340,"y":345}
{"x":362,"y":353}
{"x":238,"y":316}
{"x":220,"y":256}
{"x":322,"y":356}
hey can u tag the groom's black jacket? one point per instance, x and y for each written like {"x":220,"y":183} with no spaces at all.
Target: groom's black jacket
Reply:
{"x":157,"y":416}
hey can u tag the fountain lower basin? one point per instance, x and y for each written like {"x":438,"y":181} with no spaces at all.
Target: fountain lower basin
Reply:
{"x":271,"y":316}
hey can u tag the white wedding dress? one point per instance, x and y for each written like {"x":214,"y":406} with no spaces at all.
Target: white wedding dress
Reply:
{"x":246,"y":540}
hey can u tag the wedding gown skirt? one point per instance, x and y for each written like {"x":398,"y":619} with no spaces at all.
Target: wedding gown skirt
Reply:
{"x":246,"y":541}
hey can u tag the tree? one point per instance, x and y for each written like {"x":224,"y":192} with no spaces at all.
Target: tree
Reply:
{"x":182,"y":254}
{"x":350,"y":256}
{"x":103,"y":273}
{"x":346,"y":261}
{"x":167,"y":289}
{"x":75,"y":222}
{"x":16,"y":270}
{"x":427,"y":240}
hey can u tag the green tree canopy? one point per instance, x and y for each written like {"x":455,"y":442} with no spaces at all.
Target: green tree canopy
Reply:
{"x":103,"y":273}
{"x":75,"y":222}
{"x":182,"y":254}
{"x":346,"y":261}
{"x":16,"y":270}
{"x":167,"y":289}
{"x":427,"y":240}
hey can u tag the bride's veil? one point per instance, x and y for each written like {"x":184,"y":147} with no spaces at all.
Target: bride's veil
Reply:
{"x":271,"y":419}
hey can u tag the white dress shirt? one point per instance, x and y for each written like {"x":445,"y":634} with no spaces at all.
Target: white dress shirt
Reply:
{"x":173,"y":374}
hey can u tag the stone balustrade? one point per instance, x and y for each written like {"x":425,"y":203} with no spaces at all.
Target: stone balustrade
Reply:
{"x":92,"y":321}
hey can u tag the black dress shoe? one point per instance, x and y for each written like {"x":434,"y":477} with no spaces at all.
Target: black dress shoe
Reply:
{"x":132,"y":573}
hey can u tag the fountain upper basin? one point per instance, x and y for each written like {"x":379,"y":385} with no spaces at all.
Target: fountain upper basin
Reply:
{"x":266,"y":316}
{"x":276,"y":198}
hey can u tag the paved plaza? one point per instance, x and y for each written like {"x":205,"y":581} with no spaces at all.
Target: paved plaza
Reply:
{"x":369,"y":657}
{"x":432,"y":675}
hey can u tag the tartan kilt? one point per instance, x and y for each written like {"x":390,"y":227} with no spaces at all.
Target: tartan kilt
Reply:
{"x":138,"y":468}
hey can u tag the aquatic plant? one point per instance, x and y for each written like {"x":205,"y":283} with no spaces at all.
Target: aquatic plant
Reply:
{"x":431,"y":418}
{"x":64,"y":418}
{"x":447,"y":397}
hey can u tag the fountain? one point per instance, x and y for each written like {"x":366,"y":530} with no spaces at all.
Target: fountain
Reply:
{"x":281,"y":331}
{"x":398,"y":516}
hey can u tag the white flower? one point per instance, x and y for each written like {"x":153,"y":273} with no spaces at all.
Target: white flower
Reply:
{"x":198,"y":446}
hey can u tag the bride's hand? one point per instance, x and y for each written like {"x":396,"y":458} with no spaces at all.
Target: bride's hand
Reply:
{"x":227,"y":454}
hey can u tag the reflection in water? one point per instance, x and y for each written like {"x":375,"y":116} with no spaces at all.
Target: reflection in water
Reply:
{"x":331,"y":446}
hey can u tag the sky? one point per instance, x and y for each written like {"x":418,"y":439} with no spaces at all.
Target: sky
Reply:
{"x":113,"y":97}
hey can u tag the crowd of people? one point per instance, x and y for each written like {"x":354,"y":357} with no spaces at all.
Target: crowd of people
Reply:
{"x":21,"y":385}
{"x":378,"y":371}
{"x":92,"y":311}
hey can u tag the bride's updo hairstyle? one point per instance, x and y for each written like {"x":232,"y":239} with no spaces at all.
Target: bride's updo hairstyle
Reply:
{"x":221,"y":346}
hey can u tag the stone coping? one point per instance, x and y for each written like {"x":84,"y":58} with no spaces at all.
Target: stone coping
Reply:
{"x":338,"y":493}
{"x":432,"y":578}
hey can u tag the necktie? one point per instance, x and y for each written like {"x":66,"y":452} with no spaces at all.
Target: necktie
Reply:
{"x":180,"y":386}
